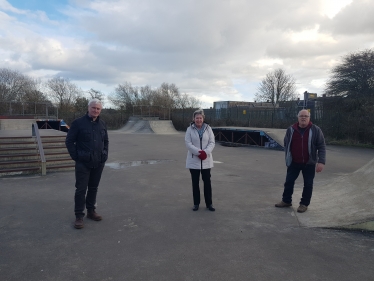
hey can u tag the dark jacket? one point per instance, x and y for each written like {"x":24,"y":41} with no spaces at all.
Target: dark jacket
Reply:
{"x":316,"y":145}
{"x":87,"y":141}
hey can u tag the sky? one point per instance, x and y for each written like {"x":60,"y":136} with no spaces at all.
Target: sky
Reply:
{"x":214,"y":50}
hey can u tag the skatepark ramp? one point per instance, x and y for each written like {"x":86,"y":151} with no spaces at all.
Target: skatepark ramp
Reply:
{"x":16,"y":124}
{"x":148,"y":125}
{"x":346,"y":202}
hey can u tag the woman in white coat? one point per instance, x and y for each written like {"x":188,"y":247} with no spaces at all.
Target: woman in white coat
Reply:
{"x":200,"y":143}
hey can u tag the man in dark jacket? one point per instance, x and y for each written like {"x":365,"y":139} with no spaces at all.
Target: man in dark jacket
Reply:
{"x":304,"y":145}
{"x":87,"y":143}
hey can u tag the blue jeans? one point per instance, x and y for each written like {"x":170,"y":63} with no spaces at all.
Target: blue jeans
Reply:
{"x":293,"y":172}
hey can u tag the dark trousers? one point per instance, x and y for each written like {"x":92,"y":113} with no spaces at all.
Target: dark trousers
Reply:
{"x":195,"y":176}
{"x":86,"y":181}
{"x":293,"y":172}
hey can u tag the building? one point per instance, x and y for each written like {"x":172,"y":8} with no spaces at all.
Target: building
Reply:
{"x":229,"y":104}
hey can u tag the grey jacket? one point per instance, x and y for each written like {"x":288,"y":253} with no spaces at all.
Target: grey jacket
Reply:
{"x":316,"y":145}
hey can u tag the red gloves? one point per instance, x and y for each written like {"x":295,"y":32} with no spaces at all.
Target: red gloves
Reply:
{"x":202,"y":155}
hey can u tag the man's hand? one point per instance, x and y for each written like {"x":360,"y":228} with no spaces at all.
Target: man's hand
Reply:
{"x":320,"y":167}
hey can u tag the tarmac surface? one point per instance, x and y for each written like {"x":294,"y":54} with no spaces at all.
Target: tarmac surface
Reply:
{"x":149,"y":231}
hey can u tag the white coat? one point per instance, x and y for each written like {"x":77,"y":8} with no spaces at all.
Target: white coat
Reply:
{"x":194,"y":145}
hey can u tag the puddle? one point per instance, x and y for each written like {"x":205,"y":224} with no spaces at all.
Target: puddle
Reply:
{"x":125,"y":165}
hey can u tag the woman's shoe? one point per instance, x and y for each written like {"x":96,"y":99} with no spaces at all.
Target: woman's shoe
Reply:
{"x":210,"y":208}
{"x":195,"y":207}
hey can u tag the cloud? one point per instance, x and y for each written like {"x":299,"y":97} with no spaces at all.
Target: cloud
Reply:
{"x":210,"y":49}
{"x":6,"y":7}
{"x":355,"y":18}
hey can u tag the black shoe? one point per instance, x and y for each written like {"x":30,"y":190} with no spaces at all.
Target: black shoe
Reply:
{"x":195,"y":207}
{"x":210,"y":208}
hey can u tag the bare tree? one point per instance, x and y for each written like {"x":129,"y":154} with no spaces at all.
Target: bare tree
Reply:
{"x":353,"y":77}
{"x":277,"y":86}
{"x":63,"y":92}
{"x":193,"y":102}
{"x":167,"y":95}
{"x":186,"y":101}
{"x":15,"y":86}
{"x":35,"y":96}
{"x":81,"y":104}
{"x":147,"y":95}
{"x":95,"y":94}
{"x":125,"y":95}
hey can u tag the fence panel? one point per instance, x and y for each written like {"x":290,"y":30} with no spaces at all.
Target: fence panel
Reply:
{"x":28,"y":109}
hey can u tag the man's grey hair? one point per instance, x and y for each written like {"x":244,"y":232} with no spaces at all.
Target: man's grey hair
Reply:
{"x":198,"y":112}
{"x":95,"y":101}
{"x":302,"y":110}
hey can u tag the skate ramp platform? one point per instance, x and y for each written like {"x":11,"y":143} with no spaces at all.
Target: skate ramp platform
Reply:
{"x":148,"y":125}
{"x":344,"y":202}
{"x":16,"y":124}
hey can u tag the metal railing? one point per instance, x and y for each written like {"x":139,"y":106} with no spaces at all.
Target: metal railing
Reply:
{"x":36,"y":134}
{"x":28,"y":109}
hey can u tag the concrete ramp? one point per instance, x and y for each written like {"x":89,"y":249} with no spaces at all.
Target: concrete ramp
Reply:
{"x":137,"y":125}
{"x":16,"y":124}
{"x":345,"y":202}
{"x":163,"y":127}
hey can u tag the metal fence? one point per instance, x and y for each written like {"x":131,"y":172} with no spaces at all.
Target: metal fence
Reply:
{"x":160,"y":112}
{"x":339,"y":119}
{"x":240,"y":116}
{"x":352,"y":126}
{"x":28,"y":109}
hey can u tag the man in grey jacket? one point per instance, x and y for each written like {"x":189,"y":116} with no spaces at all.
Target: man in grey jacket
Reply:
{"x":305,"y":151}
{"x":87,"y":143}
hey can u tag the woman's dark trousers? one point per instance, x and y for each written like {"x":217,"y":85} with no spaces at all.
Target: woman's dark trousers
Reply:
{"x":293,"y":172}
{"x":86,"y":180}
{"x":195,"y":176}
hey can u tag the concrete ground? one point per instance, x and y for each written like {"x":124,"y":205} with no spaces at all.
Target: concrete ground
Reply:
{"x":149,"y":231}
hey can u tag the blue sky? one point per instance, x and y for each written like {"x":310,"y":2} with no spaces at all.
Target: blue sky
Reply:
{"x":213,"y":50}
{"x":50,"y":7}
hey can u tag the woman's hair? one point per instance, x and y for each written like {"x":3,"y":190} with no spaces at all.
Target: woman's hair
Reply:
{"x":198,"y":112}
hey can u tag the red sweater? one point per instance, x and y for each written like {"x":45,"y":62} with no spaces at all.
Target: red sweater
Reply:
{"x":299,"y":144}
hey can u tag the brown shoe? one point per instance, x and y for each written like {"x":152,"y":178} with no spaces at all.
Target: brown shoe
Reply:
{"x":302,"y":208}
{"x":91,"y":214}
{"x":282,"y":204}
{"x":79,"y":223}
